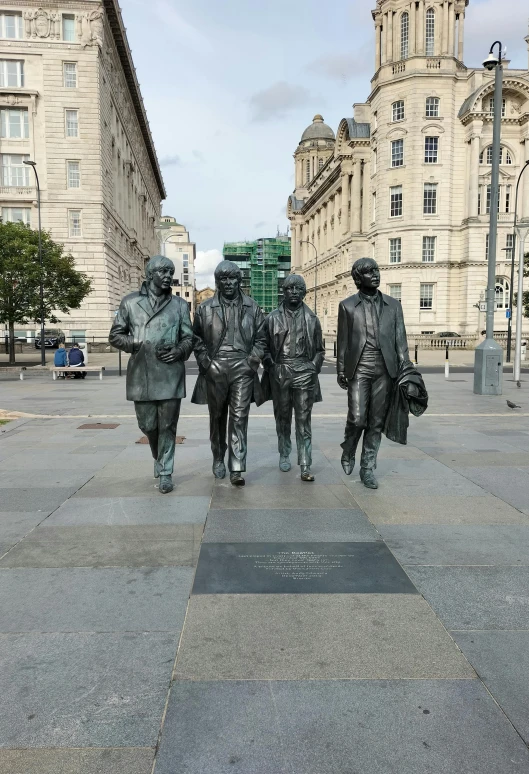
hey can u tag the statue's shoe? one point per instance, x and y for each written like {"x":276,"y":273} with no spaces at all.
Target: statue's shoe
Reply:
{"x":306,"y":475}
{"x":166,"y":484}
{"x":368,"y":478}
{"x":237,"y":479}
{"x":219,"y":469}
{"x":284,"y":464}
{"x":348,"y":463}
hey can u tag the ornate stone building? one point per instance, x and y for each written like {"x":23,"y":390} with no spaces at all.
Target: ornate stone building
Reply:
{"x":70,"y":100}
{"x":176,"y":245}
{"x":407,"y":179}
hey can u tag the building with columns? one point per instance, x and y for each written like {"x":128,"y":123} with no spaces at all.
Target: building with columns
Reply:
{"x":407,"y":178}
{"x":70,"y":101}
{"x":176,"y":245}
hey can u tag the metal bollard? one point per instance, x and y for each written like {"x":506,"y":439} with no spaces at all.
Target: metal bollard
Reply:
{"x":416,"y":354}
{"x":447,"y":364}
{"x":334,"y":349}
{"x":119,"y":361}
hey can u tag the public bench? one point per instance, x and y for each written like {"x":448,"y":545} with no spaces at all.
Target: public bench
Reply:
{"x":14,"y":370}
{"x":65,"y":369}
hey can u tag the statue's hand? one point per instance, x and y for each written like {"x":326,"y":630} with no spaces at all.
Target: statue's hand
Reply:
{"x":169,"y":354}
{"x":342,"y":381}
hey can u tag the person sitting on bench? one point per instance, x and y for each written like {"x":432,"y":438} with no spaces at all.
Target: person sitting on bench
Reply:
{"x":76,"y":359}
{"x":60,"y":359}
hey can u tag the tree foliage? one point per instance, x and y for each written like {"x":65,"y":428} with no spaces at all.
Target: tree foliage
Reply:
{"x":20,"y":276}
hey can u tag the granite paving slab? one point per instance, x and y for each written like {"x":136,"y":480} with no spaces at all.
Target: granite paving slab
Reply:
{"x":442,"y":509}
{"x":34,"y":459}
{"x":299,"y":568}
{"x":86,"y":599}
{"x":33,"y":500}
{"x":324,"y":474}
{"x":403,"y":486}
{"x":291,"y":525}
{"x":461,"y":545}
{"x":104,"y":546}
{"x":501,"y":660}
{"x":315,"y":637}
{"x":476,"y":597}
{"x":318,"y":496}
{"x":338,"y":727}
{"x":42,"y":479}
{"x":80,"y":690}
{"x":508,"y":483}
{"x":15,"y":525}
{"x":135,"y":760}
{"x":116,"y":511}
{"x":129,"y":486}
{"x":485,"y":458}
{"x":422,"y":469}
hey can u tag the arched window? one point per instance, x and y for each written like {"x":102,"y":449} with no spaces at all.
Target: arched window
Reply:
{"x":307,"y":170}
{"x":501,"y":293}
{"x":404,"y":35}
{"x":432,"y":107}
{"x":430,"y":32}
{"x":485,"y":157}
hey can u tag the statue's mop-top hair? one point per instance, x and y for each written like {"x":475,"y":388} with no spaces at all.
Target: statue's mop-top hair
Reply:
{"x":227,"y":269}
{"x":295,"y":279}
{"x":155,"y":262}
{"x":359,"y":266}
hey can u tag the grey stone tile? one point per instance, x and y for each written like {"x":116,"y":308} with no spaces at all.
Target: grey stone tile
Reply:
{"x":324,"y":474}
{"x":80,"y":690}
{"x":509,"y":484}
{"x":44,"y":499}
{"x":103,"y":546}
{"x":191,"y":485}
{"x":81,"y":599}
{"x":318,"y":496}
{"x":14,"y":526}
{"x":315,"y":637}
{"x":40,"y":479}
{"x":422,"y":469}
{"x":485,"y":458}
{"x":441,"y":509}
{"x":338,"y":727}
{"x":501,"y":659}
{"x":116,"y":511}
{"x":34,"y":459}
{"x":294,"y":524}
{"x":449,"y":545}
{"x":136,"y":760}
{"x":403,"y":486}
{"x":476,"y":597}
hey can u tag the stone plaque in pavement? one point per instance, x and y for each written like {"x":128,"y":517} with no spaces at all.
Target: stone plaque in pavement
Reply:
{"x":299,"y":568}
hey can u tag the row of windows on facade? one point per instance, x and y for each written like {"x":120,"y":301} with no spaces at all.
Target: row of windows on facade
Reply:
{"x":16,"y":173}
{"x":12,"y":28}
{"x":432,"y":109}
{"x":430,"y":200}
{"x":429,"y":248}
{"x":429,"y":33}
{"x":427,"y":293}
{"x":12,"y":74}
{"x":15,"y":123}
{"x":23,"y":215}
{"x":431,"y":153}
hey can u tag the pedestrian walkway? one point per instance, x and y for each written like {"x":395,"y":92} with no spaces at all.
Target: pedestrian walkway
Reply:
{"x":284,"y":627}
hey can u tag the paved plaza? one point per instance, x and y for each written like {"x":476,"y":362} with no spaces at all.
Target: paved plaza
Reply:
{"x":281,"y":628}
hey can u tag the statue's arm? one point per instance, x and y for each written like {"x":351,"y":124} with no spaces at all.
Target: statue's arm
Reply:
{"x":319,"y":349}
{"x":120,"y":335}
{"x":268,"y":360}
{"x":401,"y":339}
{"x":185,"y":339}
{"x":199,"y":345}
{"x":259,"y":344}
{"x":341,"y":346}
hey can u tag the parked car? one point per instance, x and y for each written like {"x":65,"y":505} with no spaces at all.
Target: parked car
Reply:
{"x":52,"y":338}
{"x":447,"y":335}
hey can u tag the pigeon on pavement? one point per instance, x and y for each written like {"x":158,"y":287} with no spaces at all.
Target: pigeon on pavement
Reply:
{"x":512,"y":405}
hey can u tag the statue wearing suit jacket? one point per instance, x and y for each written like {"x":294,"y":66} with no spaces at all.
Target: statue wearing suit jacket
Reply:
{"x":154,"y":326}
{"x":293,"y":358}
{"x":229,"y":345}
{"x":372,"y":346}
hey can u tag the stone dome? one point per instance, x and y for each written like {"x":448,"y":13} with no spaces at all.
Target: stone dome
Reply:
{"x":318,"y":130}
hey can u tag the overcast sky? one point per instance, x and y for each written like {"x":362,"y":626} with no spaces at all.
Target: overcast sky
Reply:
{"x":230,"y":86}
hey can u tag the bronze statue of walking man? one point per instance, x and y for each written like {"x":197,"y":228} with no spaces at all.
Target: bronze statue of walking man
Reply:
{"x":293,"y":358}
{"x":154,"y":326}
{"x":229,"y":346}
{"x":371,"y":349}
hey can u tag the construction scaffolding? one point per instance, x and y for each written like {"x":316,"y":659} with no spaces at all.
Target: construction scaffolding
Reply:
{"x":264,"y":264}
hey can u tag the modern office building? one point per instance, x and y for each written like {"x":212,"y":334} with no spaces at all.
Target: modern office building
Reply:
{"x":70,"y":101}
{"x":407,"y":179}
{"x":176,"y":245}
{"x":264,"y":264}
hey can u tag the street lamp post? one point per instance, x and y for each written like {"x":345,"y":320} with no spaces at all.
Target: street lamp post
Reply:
{"x":513,"y":254}
{"x":522,"y":232}
{"x":488,"y":362}
{"x":42,"y":341}
{"x":306,"y":242}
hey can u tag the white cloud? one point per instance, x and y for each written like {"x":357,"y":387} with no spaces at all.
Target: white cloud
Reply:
{"x":205,"y":264}
{"x":341,"y":67}
{"x":277,"y":100}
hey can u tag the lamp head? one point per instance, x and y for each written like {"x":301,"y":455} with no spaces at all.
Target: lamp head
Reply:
{"x":491,"y":62}
{"x":30,"y":163}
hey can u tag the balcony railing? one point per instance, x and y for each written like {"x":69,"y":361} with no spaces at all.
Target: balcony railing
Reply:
{"x":15,"y":190}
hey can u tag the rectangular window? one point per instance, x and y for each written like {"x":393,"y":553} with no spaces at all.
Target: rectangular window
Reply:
{"x":491,"y":107}
{"x":14,"y":171}
{"x":68,"y":28}
{"x":16,"y":214}
{"x":374,"y":206}
{"x":426,"y":300}
{"x":479,"y":202}
{"x":78,"y":336}
{"x":432,"y":107}
{"x":395,"y":291}
{"x":74,"y":223}
{"x":486,"y":247}
{"x":509,"y":244}
{"x":397,"y":111}
{"x":74,"y":174}
{"x":374,"y":160}
{"x":15,"y":124}
{"x":508,"y":198}
{"x":430,"y":199}
{"x":430,"y":32}
{"x":72,"y":123}
{"x":70,"y":75}
{"x":431,"y":148}
{"x":11,"y":25}
{"x":12,"y":73}
{"x":397,"y":153}
{"x":395,"y":250}
{"x":395,"y":201}
{"x":428,"y":249}
{"x":488,"y":200}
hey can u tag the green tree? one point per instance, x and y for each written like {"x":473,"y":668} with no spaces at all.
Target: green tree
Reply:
{"x":20,"y":274}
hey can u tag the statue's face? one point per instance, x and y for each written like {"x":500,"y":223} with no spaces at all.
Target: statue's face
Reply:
{"x":294,"y":295}
{"x":162,"y":277}
{"x":228,"y":286}
{"x":370,"y":277}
